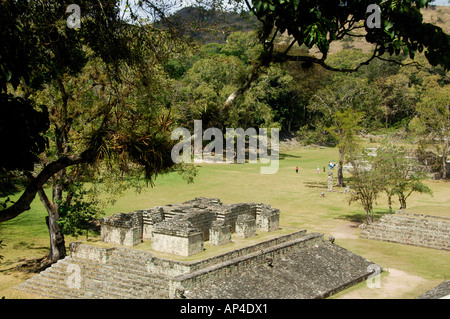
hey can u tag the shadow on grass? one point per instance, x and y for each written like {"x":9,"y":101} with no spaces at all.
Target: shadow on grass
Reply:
{"x":283,"y":156}
{"x":323,"y":185}
{"x":24,"y":245}
{"x":360,"y":216}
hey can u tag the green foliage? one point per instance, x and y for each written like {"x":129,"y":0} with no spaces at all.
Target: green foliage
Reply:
{"x":22,"y":129}
{"x":320,"y":23}
{"x":401,"y":177}
{"x":78,"y":215}
{"x":367,"y":182}
{"x":347,"y":93}
{"x":432,"y":123}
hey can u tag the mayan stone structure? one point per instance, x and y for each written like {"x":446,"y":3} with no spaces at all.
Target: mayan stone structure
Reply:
{"x":411,"y":229}
{"x":181,"y":229}
{"x":177,"y":236}
{"x":219,"y":233}
{"x":295,"y":264}
{"x":123,"y":229}
{"x":245,"y":226}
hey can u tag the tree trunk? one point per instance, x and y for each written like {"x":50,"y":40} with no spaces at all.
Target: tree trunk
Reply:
{"x":369,"y":216}
{"x":57,"y":243}
{"x":23,"y":203}
{"x":402,"y":201}
{"x":340,"y":176}
{"x":444,"y":166}
{"x":389,"y":201}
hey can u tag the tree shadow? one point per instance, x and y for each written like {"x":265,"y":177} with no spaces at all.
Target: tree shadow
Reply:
{"x":322,"y":185}
{"x":24,"y":245}
{"x":283,"y":156}
{"x":360,"y":216}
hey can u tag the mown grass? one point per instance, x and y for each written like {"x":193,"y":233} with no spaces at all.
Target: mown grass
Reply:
{"x":296,"y":195}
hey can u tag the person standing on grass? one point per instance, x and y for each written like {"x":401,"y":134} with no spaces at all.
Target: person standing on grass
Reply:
{"x":318,"y":169}
{"x":296,"y":169}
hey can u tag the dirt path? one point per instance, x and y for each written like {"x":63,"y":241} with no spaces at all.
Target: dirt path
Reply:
{"x":392,"y":284}
{"x":395,"y":284}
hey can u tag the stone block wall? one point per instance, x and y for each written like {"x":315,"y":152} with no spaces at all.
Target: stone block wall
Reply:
{"x":245,"y":226}
{"x":219,"y":233}
{"x":122,"y":228}
{"x":267,"y":218}
{"x":150,"y":218}
{"x":412,"y":229}
{"x":177,"y":236}
{"x":230,"y":213}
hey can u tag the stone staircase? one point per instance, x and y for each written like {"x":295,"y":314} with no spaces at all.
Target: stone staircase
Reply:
{"x":413,"y":229}
{"x":125,"y":276}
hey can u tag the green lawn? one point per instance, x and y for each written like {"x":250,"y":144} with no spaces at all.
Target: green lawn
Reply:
{"x":296,"y":195}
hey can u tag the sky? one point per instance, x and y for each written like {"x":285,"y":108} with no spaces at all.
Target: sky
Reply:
{"x":441,"y":2}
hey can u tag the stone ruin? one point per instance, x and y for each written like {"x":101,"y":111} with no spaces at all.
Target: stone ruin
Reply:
{"x":181,"y":229}
{"x":292,"y":264}
{"x":411,"y":229}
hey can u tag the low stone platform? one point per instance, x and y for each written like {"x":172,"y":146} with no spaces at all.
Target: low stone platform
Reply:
{"x":295,"y":265}
{"x":411,"y":229}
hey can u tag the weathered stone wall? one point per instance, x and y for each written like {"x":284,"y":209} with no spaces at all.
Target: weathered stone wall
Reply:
{"x":122,"y":228}
{"x":245,"y":226}
{"x":219,"y":233}
{"x":230,"y":213}
{"x":217,"y":272}
{"x":177,"y":236}
{"x":268,"y":218}
{"x":412,"y":229}
{"x":151,"y":217}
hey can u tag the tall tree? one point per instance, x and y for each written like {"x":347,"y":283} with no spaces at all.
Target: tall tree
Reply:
{"x":344,"y":104}
{"x":433,"y":122}
{"x":366,"y":183}
{"x":400,"y":175}
{"x":100,"y":97}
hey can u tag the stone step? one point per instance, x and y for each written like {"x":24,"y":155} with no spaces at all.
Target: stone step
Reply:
{"x":98,"y":281}
{"x":124,"y":277}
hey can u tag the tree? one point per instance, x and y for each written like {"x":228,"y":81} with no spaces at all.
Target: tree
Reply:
{"x":345,"y":103}
{"x":398,"y":98}
{"x":401,"y":177}
{"x":366,"y":183}
{"x":103,"y":105}
{"x":432,"y":122}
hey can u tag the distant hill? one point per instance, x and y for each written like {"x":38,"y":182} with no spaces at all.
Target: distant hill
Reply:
{"x":209,"y":26}
{"x":437,"y":15}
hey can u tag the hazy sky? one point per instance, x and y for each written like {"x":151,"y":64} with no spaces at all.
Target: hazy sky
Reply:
{"x":441,"y":2}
